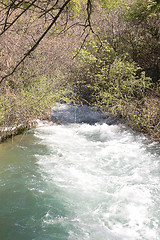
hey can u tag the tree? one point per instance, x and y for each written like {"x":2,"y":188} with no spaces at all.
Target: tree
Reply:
{"x":52,"y":15}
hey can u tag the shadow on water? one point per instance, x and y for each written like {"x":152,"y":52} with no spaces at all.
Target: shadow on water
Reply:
{"x":67,"y":113}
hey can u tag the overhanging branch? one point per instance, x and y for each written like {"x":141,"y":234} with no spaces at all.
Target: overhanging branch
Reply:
{"x":6,"y":28}
{"x":37,"y":42}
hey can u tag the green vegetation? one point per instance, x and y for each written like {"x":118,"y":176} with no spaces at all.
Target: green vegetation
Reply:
{"x":116,"y":64}
{"x":117,"y":85}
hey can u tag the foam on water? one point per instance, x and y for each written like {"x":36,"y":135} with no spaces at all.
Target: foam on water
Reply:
{"x":106,"y":180}
{"x":80,"y":180}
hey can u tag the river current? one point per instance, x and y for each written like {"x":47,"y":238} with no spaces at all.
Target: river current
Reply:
{"x":82,"y":178}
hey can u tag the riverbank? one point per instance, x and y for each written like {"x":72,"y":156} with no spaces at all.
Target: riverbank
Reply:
{"x":76,"y":181}
{"x":68,"y":113}
{"x":9,"y":132}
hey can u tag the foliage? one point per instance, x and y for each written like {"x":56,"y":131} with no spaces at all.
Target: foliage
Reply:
{"x":24,"y":104}
{"x":117,"y":84}
{"x":139,"y":10}
{"x":141,"y":36}
{"x":116,"y":67}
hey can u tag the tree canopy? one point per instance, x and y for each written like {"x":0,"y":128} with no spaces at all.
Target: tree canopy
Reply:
{"x":53,"y":16}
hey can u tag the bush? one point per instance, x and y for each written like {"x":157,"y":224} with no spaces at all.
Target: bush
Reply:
{"x":118,"y":85}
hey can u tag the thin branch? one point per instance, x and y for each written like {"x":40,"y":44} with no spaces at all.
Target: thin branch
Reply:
{"x":49,"y":9}
{"x":64,"y":25}
{"x":17,"y":18}
{"x":89,"y":12}
{"x":88,"y":25}
{"x":73,"y":25}
{"x":81,"y":46}
{"x":38,"y":41}
{"x":7,"y":14}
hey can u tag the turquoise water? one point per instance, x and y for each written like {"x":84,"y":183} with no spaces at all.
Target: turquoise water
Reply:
{"x":79,"y":181}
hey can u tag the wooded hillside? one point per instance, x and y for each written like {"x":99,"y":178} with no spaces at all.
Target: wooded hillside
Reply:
{"x":100,"y":52}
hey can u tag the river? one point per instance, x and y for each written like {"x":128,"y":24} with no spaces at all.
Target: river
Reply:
{"x":79,"y":180}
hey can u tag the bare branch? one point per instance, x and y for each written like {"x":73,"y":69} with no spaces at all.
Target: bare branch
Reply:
{"x":38,"y":41}
{"x":89,"y":12}
{"x":84,"y":40}
{"x":50,"y":9}
{"x":17,"y":18}
{"x":7,"y":14}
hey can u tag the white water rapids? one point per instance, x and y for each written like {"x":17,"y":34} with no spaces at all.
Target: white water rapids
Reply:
{"x":107,"y":179}
{"x":95,"y":182}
